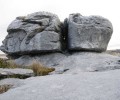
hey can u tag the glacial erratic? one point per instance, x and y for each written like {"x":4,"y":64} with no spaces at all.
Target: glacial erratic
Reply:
{"x":88,"y":33}
{"x":36,"y":32}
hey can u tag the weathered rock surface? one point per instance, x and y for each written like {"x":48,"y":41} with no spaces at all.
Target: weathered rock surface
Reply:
{"x":42,"y":32}
{"x":76,"y":62}
{"x":39,"y":36}
{"x":16,"y":72}
{"x":90,"y":33}
{"x":12,"y":81}
{"x":34,"y":33}
{"x":82,"y":86}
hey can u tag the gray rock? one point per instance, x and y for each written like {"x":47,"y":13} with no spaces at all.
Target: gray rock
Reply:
{"x":34,"y":33}
{"x":75,"y":63}
{"x":12,"y":42}
{"x":82,"y":86}
{"x":45,"y":41}
{"x":91,"y":33}
{"x":12,"y":81}
{"x":24,"y":73}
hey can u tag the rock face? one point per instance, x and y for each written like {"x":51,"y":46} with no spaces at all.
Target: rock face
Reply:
{"x":39,"y":36}
{"x":75,"y":63}
{"x":90,"y":33}
{"x":37,"y":32}
{"x":82,"y":86}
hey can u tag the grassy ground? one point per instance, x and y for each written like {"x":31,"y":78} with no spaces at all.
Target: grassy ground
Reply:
{"x":37,"y":67}
{"x":7,"y":63}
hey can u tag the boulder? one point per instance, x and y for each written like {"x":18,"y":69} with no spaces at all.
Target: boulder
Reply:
{"x":88,"y":33}
{"x":42,"y":32}
{"x":34,"y":33}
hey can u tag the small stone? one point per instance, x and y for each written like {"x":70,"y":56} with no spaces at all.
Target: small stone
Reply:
{"x":16,"y":72}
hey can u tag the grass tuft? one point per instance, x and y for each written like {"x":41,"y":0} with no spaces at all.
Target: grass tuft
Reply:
{"x":7,"y":64}
{"x":40,"y":70}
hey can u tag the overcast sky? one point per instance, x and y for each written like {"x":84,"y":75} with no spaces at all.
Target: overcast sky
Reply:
{"x":10,"y":9}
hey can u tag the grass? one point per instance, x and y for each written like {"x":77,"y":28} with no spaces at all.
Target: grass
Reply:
{"x":10,"y":64}
{"x":5,"y":88}
{"x":3,"y":63}
{"x":40,"y":70}
{"x":7,"y":64}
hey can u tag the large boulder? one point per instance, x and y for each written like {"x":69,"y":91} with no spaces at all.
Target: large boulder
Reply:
{"x":43,"y":32}
{"x":34,"y":33}
{"x":91,"y":33}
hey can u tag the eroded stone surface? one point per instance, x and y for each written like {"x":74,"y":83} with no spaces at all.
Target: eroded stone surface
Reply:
{"x":43,"y":32}
{"x":35,"y":32}
{"x":74,"y":63}
{"x":91,"y":33}
{"x":82,"y":86}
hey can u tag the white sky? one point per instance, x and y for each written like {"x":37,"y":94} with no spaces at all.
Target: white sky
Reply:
{"x":10,"y":9}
